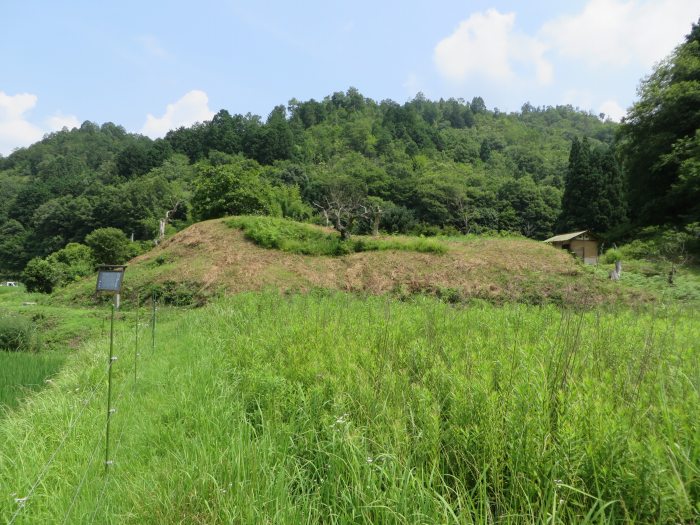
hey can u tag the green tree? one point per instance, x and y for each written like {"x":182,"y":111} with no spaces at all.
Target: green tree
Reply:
{"x":28,"y":199}
{"x":109,"y":246}
{"x":232,"y":189}
{"x":40,"y":276}
{"x":594,"y":196}
{"x":536,"y":207}
{"x":64,"y":219}
{"x":12,"y":247}
{"x":658,"y":137}
{"x":72,"y":262}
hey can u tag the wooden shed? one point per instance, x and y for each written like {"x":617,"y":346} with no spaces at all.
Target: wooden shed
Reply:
{"x":583,"y":244}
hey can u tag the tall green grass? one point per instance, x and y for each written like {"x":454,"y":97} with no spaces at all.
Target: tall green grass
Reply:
{"x":23,"y":373}
{"x":35,"y":339}
{"x":305,"y":239}
{"x":332,"y":409}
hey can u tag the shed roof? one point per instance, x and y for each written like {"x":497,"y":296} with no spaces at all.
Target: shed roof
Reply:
{"x":567,"y":236}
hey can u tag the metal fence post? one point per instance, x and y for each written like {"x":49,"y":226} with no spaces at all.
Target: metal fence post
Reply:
{"x":110,"y":411}
{"x":153,"y":322}
{"x":136,"y":338}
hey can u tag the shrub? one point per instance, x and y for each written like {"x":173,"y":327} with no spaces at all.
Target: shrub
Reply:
{"x":72,"y":262}
{"x":17,"y":334}
{"x":109,"y":246}
{"x":612,"y":256}
{"x":187,"y":293}
{"x":40,"y":276}
{"x":294,"y":237}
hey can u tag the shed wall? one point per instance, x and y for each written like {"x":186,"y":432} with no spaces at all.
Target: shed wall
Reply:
{"x":587,"y":250}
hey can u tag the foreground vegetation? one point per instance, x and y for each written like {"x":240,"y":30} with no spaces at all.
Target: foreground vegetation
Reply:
{"x":336,"y":409}
{"x":36,"y":338}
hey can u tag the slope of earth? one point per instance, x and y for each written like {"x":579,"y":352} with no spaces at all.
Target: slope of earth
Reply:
{"x":211,"y":258}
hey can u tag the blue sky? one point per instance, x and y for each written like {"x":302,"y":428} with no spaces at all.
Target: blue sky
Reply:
{"x":160,"y":65}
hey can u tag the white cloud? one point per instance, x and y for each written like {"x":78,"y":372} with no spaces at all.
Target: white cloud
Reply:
{"x":192,"y":107}
{"x":622,"y":32}
{"x":584,"y":100}
{"x":58,"y":121}
{"x":485,"y":44}
{"x":15,"y":130}
{"x":612,"y":110}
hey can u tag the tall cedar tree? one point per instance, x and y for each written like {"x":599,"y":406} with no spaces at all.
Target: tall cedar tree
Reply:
{"x":594,"y":196}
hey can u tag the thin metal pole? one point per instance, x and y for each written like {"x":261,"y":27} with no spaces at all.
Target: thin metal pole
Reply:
{"x":109,"y":389}
{"x":153,"y":322}
{"x":136,"y":338}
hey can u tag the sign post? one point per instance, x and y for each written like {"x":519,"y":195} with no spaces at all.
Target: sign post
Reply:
{"x":109,"y":280}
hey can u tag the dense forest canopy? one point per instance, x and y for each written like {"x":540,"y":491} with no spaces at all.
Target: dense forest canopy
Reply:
{"x":421,"y":167}
{"x":660,"y":140}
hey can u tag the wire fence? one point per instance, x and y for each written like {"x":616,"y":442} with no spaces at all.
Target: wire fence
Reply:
{"x":101,"y":437}
{"x":22,"y":501}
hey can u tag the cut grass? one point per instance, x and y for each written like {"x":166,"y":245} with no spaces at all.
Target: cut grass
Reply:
{"x":306,"y":239}
{"x":325,"y":408}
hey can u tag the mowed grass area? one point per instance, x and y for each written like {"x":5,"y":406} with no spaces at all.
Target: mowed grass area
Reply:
{"x":265,"y":408}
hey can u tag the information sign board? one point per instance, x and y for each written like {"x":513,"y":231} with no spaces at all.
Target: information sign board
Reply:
{"x":109,"y":279}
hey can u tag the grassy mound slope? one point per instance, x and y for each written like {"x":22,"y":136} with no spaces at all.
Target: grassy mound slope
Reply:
{"x":307,"y":239}
{"x":212,"y":257}
{"x":262,"y":408}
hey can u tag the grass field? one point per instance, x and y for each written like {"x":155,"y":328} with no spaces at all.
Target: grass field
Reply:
{"x":59,"y":330}
{"x":22,"y":373}
{"x":331,"y":408}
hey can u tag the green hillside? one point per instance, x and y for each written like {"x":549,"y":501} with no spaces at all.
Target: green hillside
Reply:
{"x":433,"y":165}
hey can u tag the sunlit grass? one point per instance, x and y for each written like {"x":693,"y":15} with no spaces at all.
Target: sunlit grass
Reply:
{"x":53,"y":331}
{"x":306,"y":239}
{"x":22,"y":373}
{"x":326,"y":408}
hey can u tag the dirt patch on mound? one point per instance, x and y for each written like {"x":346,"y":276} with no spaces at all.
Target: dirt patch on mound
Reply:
{"x":221,"y":259}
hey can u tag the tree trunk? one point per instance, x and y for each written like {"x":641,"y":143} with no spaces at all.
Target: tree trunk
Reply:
{"x":617,"y":272}
{"x":375,"y":223}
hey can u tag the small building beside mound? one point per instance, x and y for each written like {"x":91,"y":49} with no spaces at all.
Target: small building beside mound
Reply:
{"x":583,"y":245}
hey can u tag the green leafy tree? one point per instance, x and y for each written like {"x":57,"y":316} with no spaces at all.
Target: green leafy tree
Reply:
{"x":109,"y":246}
{"x":72,"y":262}
{"x":658,"y":139}
{"x":12,"y":247}
{"x":40,"y":276}
{"x":232,"y":189}
{"x":535,"y":207}
{"x":63,"y":220}
{"x":288,"y":200}
{"x":28,"y":199}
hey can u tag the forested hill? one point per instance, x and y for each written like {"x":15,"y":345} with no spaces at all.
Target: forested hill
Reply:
{"x":449,"y":165}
